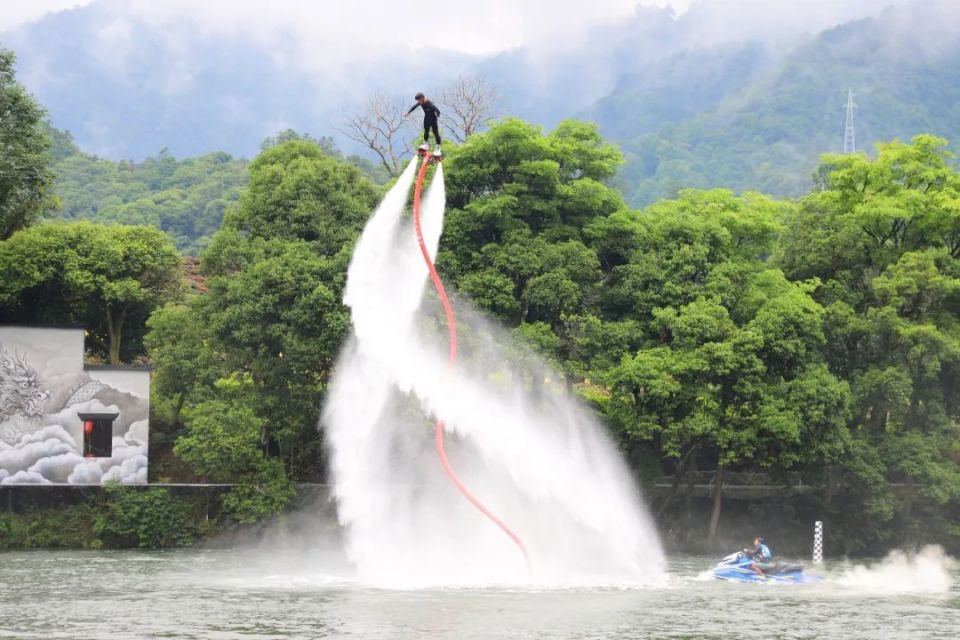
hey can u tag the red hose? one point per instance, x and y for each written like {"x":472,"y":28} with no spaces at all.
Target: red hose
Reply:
{"x":452,"y":329}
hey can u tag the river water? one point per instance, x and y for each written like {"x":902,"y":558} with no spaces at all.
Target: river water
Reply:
{"x":267,"y":594}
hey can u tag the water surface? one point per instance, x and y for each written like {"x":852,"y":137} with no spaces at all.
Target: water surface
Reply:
{"x":236,"y":594}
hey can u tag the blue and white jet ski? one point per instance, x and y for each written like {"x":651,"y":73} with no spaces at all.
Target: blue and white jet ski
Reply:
{"x":736,"y":568}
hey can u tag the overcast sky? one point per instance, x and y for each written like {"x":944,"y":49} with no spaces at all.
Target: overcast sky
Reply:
{"x":13,"y":13}
{"x":342,"y":45}
{"x":471,"y":26}
{"x":475,"y":27}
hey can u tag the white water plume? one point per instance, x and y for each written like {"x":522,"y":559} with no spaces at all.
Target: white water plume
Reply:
{"x":536,"y":458}
{"x":927,"y":571}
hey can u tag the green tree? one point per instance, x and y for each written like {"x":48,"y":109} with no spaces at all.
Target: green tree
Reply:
{"x":186,"y":198}
{"x":296,"y":192}
{"x":730,"y":363}
{"x":146,"y":518}
{"x":272,"y":316}
{"x":518,"y":204}
{"x":25,"y":158}
{"x":880,"y":236}
{"x":106,"y":277}
{"x":281,"y":320}
{"x":185,"y":366}
{"x":280,"y":264}
{"x":222,"y":443}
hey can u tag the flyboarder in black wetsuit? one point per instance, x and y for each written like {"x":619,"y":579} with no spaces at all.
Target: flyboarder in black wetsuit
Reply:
{"x":430,"y":117}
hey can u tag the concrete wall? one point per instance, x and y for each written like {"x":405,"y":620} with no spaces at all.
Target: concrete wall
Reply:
{"x":43,"y":388}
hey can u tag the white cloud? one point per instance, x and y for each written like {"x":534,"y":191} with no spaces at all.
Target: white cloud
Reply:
{"x":353,"y":28}
{"x":128,"y":464}
{"x":133,"y":470}
{"x":336,"y":39}
{"x":113,"y":43}
{"x":25,"y":477}
{"x":138,"y":433}
{"x":771,"y":20}
{"x":51,"y":455}
{"x":57,"y":468}
{"x":17,"y":12}
{"x":477,"y":27}
{"x":51,"y":432}
{"x":87,"y":472}
{"x":323,"y":35}
{"x":26,"y":454}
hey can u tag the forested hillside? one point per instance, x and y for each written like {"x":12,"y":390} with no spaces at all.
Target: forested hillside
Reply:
{"x":752,"y":118}
{"x":185,"y":198}
{"x":696,"y":100}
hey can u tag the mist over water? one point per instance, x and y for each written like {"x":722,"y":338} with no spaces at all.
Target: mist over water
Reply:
{"x":525,"y":448}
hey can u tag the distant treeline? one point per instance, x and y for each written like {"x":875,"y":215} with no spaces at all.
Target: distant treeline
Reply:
{"x":185,"y":198}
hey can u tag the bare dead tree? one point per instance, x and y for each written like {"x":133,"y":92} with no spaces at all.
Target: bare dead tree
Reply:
{"x":467,"y":105}
{"x":381,"y":127}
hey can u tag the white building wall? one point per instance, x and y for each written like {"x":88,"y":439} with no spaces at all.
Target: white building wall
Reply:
{"x":43,"y":388}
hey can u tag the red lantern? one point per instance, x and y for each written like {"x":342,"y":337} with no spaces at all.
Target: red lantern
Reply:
{"x":88,"y":426}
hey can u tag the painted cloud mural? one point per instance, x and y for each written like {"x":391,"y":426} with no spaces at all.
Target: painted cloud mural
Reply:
{"x":43,"y":389}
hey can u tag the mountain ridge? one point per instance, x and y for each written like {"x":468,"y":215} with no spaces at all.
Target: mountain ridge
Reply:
{"x":691,"y":106}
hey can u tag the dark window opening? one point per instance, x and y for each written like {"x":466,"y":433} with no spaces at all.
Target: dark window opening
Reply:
{"x":97,"y":434}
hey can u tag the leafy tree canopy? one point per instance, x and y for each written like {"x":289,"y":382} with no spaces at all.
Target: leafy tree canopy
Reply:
{"x":107,"y":278}
{"x":25,"y":158}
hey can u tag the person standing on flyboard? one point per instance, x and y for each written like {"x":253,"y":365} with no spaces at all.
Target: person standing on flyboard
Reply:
{"x":431,"y":116}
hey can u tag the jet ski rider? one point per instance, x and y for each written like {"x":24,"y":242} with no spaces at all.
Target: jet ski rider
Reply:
{"x":761,"y":555}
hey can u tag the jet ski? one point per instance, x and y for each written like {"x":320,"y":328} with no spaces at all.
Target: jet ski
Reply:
{"x":736,"y":568}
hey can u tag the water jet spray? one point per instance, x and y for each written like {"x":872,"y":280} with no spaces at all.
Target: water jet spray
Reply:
{"x":540,"y":456}
{"x":439,"y":427}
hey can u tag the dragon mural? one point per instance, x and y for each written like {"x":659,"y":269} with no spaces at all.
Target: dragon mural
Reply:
{"x":20,"y":390}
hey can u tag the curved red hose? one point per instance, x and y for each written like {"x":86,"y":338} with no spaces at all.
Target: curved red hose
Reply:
{"x":452,"y":329}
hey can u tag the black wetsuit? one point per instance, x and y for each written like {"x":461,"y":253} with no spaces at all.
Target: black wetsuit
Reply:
{"x":430,"y":118}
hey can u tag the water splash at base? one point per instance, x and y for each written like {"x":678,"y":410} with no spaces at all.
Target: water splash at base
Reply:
{"x":926,"y":571}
